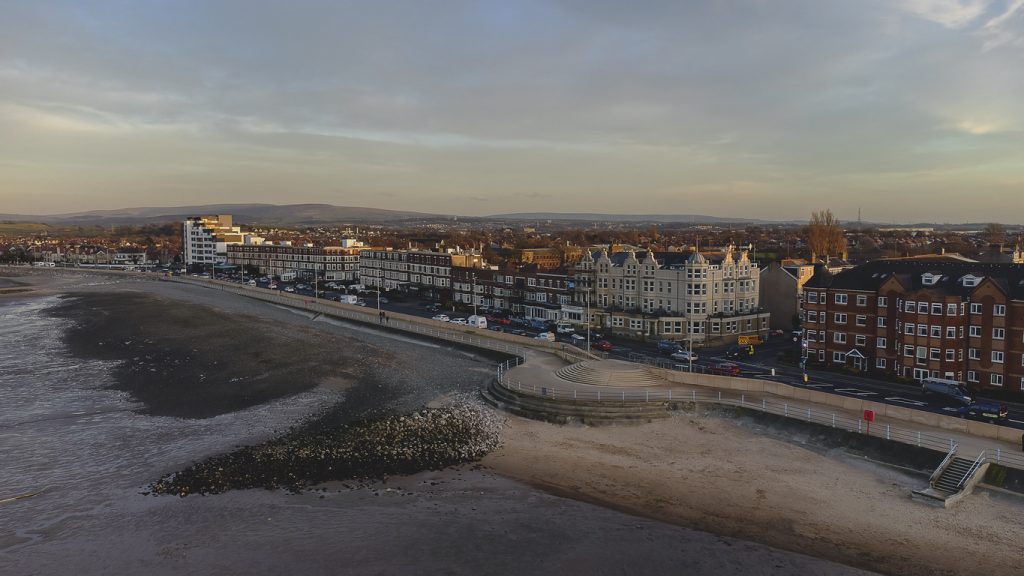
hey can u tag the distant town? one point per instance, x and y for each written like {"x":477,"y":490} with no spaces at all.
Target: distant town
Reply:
{"x":904,"y":303}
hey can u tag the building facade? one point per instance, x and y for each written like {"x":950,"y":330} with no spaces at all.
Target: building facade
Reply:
{"x":206,"y":238}
{"x":916,"y":319}
{"x":422,"y":272}
{"x":709,"y":298}
{"x":528,"y":291}
{"x":781,"y":288}
{"x":335,"y":263}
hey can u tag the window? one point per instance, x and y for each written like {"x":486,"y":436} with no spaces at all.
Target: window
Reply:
{"x":950,"y":354}
{"x":862,"y":300}
{"x":883,"y":301}
{"x":972,"y":376}
{"x":840,"y":318}
{"x":880,"y":363}
{"x":908,"y":351}
{"x":996,"y":379}
{"x":880,"y":342}
{"x":975,"y":331}
{"x":860,"y":340}
{"x":909,"y":306}
{"x":998,"y":333}
{"x":922,"y":307}
{"x":881,"y":321}
{"x":839,"y":337}
{"x":922,"y":329}
{"x":950,"y":309}
{"x":839,"y":357}
{"x":936,"y":308}
{"x":934,"y":354}
{"x":841,"y":298}
{"x":999,"y":310}
{"x":975,"y":308}
{"x":936,"y":332}
{"x":973,"y":354}
{"x":997,"y":356}
{"x":908,"y":329}
{"x":862,"y":320}
{"x":812,"y":297}
{"x":950,"y":331}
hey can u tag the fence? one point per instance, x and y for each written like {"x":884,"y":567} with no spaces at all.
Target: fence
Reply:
{"x":785,"y":409}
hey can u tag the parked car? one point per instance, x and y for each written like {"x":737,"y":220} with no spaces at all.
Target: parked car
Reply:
{"x":289,"y":289}
{"x":441,"y":317}
{"x":776,"y":333}
{"x":668,"y":347}
{"x":734,"y":351}
{"x":546,"y":336}
{"x":383,"y":300}
{"x":945,"y":390}
{"x":603,"y":345}
{"x":725,"y":369}
{"x":984,"y":410}
{"x":459,"y":321}
{"x":685,"y":356}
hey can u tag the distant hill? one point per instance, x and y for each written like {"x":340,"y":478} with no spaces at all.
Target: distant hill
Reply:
{"x":255,"y":214}
{"x":591,"y":217}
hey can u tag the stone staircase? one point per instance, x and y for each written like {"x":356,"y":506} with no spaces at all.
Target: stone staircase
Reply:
{"x":954,"y":479}
{"x":609,"y":373}
{"x":589,"y":412}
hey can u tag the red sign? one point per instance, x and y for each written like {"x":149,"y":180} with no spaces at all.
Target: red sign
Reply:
{"x":869,"y":415}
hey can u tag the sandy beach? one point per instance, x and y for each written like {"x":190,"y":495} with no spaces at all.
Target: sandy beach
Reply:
{"x":712,"y":474}
{"x":697,"y":493}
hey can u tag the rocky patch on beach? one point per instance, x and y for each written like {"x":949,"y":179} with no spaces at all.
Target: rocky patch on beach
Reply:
{"x":427,"y":439}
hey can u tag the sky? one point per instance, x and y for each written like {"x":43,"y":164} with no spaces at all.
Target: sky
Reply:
{"x":907,"y":110}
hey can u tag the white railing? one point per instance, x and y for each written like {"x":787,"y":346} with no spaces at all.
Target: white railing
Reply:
{"x":942,"y":465}
{"x":785,"y":409}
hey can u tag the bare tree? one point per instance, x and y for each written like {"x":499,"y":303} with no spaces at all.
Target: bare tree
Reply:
{"x":825,"y":236}
{"x":994,"y":233}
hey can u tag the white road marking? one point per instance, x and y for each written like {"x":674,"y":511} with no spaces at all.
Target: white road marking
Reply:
{"x":856,"y":391}
{"x":906,"y":401}
{"x":1017,"y":421}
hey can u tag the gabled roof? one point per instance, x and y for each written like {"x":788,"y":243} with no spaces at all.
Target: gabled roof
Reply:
{"x":869,"y":277}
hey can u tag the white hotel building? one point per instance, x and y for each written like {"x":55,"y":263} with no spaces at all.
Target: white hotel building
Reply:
{"x":707,"y":297}
{"x":206,"y":239}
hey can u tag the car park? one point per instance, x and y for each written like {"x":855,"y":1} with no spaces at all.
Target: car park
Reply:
{"x":725,"y":369}
{"x":441,"y":318}
{"x":984,"y":410}
{"x":684,"y":356}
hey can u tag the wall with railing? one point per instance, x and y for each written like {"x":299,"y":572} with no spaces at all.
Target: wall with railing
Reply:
{"x":740,"y":399}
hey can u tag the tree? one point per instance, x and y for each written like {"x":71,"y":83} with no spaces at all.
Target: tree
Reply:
{"x":994,"y":233}
{"x":825,"y":236}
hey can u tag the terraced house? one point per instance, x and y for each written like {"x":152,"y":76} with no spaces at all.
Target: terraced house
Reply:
{"x":915,"y":319}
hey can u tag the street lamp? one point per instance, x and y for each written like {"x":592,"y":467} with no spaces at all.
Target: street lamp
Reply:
{"x":588,"y":318}
{"x":472,"y":293}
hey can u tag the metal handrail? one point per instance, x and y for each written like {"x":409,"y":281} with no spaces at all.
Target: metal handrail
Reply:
{"x":974,"y":467}
{"x":942,"y":465}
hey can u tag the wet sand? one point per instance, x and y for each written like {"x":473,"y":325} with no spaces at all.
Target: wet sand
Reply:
{"x":463,"y":521}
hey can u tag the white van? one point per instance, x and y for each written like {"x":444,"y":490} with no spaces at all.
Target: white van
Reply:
{"x":477,"y":321}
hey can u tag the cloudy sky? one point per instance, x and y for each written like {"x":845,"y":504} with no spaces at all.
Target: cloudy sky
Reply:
{"x":911,"y":110}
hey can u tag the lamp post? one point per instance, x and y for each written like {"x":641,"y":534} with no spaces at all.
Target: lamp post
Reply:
{"x":472,"y":293}
{"x":588,"y":318}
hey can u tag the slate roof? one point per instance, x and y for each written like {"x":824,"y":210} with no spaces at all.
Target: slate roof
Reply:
{"x":869,"y":277}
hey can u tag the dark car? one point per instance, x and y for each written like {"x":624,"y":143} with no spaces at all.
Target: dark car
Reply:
{"x":986,"y":411}
{"x":734,"y":352}
{"x":668,"y":347}
{"x":603,"y":345}
{"x":725,"y":369}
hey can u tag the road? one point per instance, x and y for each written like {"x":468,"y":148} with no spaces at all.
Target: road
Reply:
{"x":758,"y":365}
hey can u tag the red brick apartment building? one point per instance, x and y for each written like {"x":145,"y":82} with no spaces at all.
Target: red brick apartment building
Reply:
{"x":914,"y":319}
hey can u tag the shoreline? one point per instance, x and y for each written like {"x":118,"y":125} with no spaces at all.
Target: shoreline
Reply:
{"x":696,"y":472}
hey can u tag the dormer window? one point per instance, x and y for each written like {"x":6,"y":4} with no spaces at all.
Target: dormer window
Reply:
{"x":970,"y":281}
{"x":929,"y":279}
